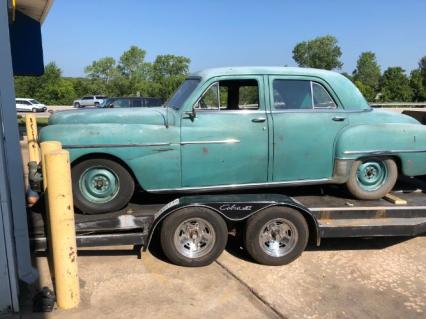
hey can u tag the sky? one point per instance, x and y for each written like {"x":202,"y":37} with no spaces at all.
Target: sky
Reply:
{"x":214,"y":33}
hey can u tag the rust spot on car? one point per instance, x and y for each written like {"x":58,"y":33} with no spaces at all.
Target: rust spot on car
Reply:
{"x":205,"y":150}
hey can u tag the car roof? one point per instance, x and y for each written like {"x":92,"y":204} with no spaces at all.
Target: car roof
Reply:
{"x":349,"y":95}
{"x":23,"y":98}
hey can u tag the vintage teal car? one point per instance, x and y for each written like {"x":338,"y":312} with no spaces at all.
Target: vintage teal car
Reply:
{"x":242,"y":127}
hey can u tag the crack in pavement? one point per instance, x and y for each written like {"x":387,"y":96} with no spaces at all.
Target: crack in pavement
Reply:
{"x":252,"y":291}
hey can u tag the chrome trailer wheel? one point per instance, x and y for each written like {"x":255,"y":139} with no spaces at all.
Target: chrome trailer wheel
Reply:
{"x":193,"y":236}
{"x":276,"y":236}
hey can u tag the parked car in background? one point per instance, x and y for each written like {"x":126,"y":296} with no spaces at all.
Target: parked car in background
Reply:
{"x":29,"y":105}
{"x":114,"y":102}
{"x":237,"y":128}
{"x":89,"y":100}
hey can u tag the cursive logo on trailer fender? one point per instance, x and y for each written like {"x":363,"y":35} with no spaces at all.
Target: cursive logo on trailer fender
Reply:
{"x":235,"y":207}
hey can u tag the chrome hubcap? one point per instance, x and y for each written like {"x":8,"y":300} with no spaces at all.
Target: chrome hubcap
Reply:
{"x":194,"y":238}
{"x":371,"y":175}
{"x":278,"y":237}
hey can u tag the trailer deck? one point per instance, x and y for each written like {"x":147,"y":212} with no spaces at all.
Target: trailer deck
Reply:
{"x":337,"y":215}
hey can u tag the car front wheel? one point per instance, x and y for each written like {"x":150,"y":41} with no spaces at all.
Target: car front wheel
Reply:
{"x":372,"y":178}
{"x":101,"y":185}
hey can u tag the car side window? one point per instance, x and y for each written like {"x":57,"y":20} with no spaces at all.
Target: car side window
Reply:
{"x":321,"y":97}
{"x":87,"y":98}
{"x":230,"y":95}
{"x":292,"y":94}
{"x":137,"y":103}
{"x":210,"y":99}
{"x":121,"y":103}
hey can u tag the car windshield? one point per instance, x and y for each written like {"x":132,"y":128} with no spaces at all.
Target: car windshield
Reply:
{"x":182,"y":93}
{"x":34,"y":102}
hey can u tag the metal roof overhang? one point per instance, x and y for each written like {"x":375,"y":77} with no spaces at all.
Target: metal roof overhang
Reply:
{"x":25,"y":19}
{"x":36,"y":9}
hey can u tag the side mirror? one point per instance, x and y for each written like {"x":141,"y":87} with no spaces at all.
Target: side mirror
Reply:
{"x":191,"y":114}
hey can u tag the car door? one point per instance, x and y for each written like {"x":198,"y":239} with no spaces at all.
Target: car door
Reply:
{"x":306,"y":120}
{"x":226,"y":142}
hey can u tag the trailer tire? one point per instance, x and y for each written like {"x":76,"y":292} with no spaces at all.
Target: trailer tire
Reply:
{"x":193,"y":236}
{"x":276,"y":236}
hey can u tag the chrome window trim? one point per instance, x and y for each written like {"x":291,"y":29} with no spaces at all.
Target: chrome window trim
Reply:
{"x":331,"y":98}
{"x":218,"y":94}
{"x":202,"y":95}
{"x":313,"y":107}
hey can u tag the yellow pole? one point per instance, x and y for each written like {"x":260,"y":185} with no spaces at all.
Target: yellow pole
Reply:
{"x":45,"y":148}
{"x":62,"y":229}
{"x":32,"y":135}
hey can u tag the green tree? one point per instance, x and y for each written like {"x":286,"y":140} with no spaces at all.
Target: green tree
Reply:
{"x":416,"y":84}
{"x":321,"y":52}
{"x":103,"y":69}
{"x":367,"y":70}
{"x":168,"y":71}
{"x":366,"y":90}
{"x":395,"y":86}
{"x":422,"y":67}
{"x":50,"y":88}
{"x":346,"y":74}
{"x":132,"y":63}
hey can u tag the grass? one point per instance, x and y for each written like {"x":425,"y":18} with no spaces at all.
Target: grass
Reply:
{"x":41,"y":121}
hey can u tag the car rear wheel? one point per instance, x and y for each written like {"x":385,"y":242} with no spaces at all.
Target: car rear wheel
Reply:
{"x":372,"y":178}
{"x":193,"y":236}
{"x":101,"y":185}
{"x":276,"y":236}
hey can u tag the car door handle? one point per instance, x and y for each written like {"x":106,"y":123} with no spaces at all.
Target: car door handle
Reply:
{"x":339,"y":118}
{"x":259,"y":120}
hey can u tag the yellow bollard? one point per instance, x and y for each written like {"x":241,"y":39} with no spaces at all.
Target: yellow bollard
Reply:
{"x":32,"y":135}
{"x":62,"y":229}
{"x":45,"y":148}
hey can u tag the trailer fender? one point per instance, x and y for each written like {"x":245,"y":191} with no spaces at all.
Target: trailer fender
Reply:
{"x":235,"y":211}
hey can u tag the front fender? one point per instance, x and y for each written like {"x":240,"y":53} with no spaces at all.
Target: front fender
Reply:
{"x":407,"y":142}
{"x":152,"y":152}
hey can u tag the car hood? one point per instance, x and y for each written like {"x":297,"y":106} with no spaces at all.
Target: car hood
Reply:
{"x":154,"y":116}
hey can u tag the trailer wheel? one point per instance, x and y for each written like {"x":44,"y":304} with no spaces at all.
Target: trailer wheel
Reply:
{"x":193,"y":236}
{"x":276,"y":236}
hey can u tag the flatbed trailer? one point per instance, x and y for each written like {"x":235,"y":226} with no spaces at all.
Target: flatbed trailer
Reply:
{"x":328,"y":212}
